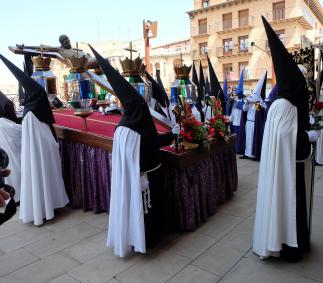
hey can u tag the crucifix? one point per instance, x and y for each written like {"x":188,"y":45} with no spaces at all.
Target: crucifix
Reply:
{"x":182,"y":61}
{"x":130,"y":50}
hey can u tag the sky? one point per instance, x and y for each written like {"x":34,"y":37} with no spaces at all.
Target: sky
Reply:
{"x":37,"y":22}
{"x":42,"y":22}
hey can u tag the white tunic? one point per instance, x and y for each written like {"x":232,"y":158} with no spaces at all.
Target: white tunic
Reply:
{"x":126,"y":218}
{"x":42,"y":185}
{"x":250,"y":127}
{"x":10,"y":142}
{"x":236,"y":114}
{"x":275,"y":221}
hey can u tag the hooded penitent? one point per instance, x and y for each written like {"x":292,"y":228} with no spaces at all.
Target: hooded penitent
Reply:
{"x":160,"y":83}
{"x":216,"y":89}
{"x":202,"y":80}
{"x":157,"y":92}
{"x":136,"y":114}
{"x":292,"y":83}
{"x":35,"y":96}
{"x":259,"y":92}
{"x":199,"y":93}
{"x":240,"y":85}
{"x":7,"y":109}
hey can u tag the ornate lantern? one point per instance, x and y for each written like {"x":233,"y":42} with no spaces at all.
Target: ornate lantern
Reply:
{"x":182,"y":88}
{"x":45,"y":77}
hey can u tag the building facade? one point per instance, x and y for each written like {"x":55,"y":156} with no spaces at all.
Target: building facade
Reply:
{"x":231,"y":33}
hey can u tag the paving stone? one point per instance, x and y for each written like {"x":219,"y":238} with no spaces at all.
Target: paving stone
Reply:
{"x":103,"y":267}
{"x":158,"y":267}
{"x":191,"y":244}
{"x":14,"y":261}
{"x":193,"y":274}
{"x":64,"y":279}
{"x":32,"y":234}
{"x":61,"y":240}
{"x":89,"y":248}
{"x":221,"y":257}
{"x":42,"y":271}
{"x":218,"y":225}
{"x":247,"y":271}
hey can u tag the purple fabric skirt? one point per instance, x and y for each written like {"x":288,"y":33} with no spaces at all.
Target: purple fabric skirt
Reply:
{"x":191,"y":193}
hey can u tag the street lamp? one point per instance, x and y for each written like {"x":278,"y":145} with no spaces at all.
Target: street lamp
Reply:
{"x":273,"y":76}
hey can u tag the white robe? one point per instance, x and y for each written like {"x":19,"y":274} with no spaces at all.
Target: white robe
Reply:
{"x":196,"y":113}
{"x":126,"y":217}
{"x":236,"y":114}
{"x":250,"y":127}
{"x":275,"y":221}
{"x":42,"y":185}
{"x":10,"y":142}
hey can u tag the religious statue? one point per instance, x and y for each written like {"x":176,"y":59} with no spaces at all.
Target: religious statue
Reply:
{"x":62,"y":53}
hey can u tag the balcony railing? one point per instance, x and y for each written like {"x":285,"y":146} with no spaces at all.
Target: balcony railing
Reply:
{"x":250,"y":74}
{"x":292,"y":42}
{"x":170,"y":51}
{"x":236,"y":23}
{"x":290,"y":13}
{"x":200,"y":30}
{"x":235,"y":50}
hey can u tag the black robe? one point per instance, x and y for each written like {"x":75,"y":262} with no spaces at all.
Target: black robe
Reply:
{"x":154,"y":219}
{"x":303,"y":149}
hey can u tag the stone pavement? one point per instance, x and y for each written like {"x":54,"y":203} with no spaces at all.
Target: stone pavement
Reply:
{"x":71,"y":248}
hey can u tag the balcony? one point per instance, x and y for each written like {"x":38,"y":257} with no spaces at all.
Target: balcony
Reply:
{"x":233,"y":51}
{"x":253,"y":74}
{"x":200,"y":31}
{"x":298,"y":13}
{"x":293,"y":42}
{"x":234,"y":25}
{"x":173,"y":51}
{"x":319,"y":35}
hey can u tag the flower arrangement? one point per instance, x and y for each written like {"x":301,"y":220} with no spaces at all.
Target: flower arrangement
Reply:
{"x":192,"y":130}
{"x":218,"y":125}
{"x":318,"y":105}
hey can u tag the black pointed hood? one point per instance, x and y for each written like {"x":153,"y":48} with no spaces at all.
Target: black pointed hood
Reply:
{"x":156,"y":90}
{"x":199,"y":99}
{"x":216,"y":89}
{"x":35,"y":95}
{"x":136,"y":116}
{"x":207,"y":87}
{"x":263,"y":89}
{"x":292,"y":84}
{"x":7,"y":109}
{"x":202,"y":80}
{"x":195,"y":79}
{"x":160,"y":83}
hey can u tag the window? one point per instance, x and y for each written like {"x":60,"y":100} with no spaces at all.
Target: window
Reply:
{"x":227,"y":21}
{"x":227,"y":46}
{"x":243,"y":18}
{"x":205,"y":3}
{"x":244,"y":66}
{"x":279,"y":11}
{"x":244,"y":43}
{"x":227,"y":71}
{"x":281,"y":35}
{"x":202,"y":26}
{"x":203,"y":48}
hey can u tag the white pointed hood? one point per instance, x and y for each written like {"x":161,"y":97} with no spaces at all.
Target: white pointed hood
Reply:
{"x":258,"y":93}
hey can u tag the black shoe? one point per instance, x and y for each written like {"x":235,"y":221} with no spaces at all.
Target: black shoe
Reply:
{"x":243,"y":157}
{"x":290,"y":254}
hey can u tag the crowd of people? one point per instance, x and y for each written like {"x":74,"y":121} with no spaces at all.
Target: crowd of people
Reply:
{"x":273,"y":129}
